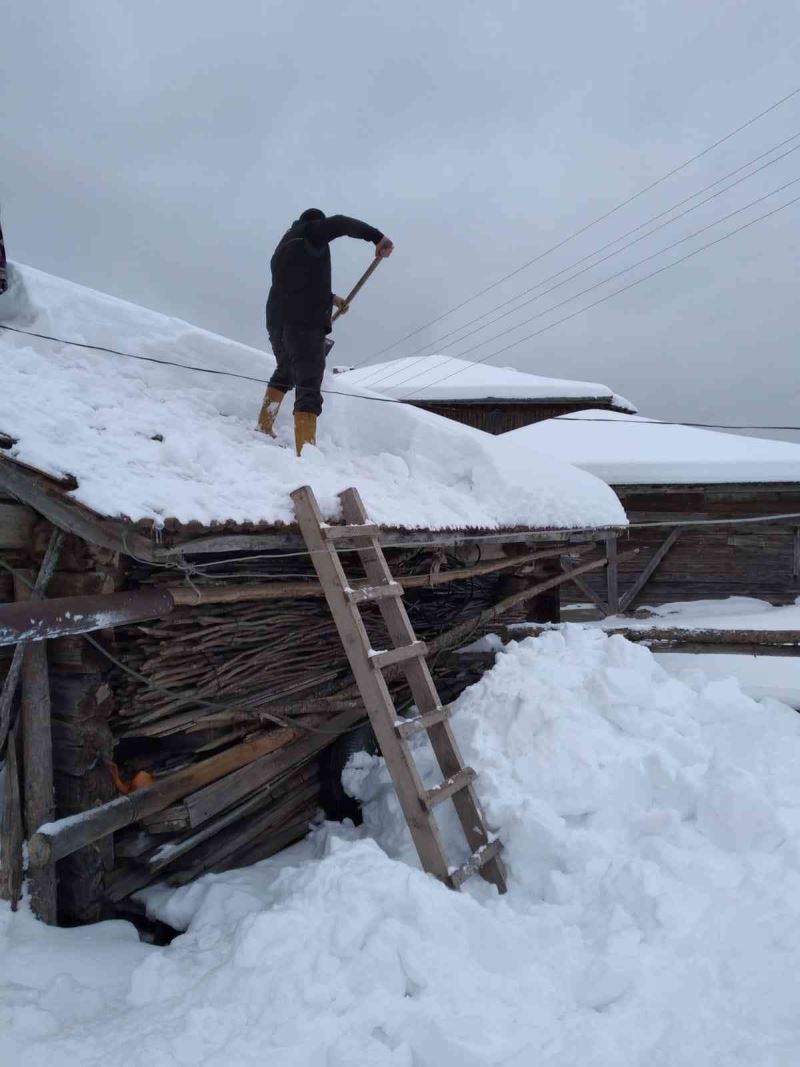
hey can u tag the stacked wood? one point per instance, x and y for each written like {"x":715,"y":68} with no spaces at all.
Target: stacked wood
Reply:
{"x":205,"y":677}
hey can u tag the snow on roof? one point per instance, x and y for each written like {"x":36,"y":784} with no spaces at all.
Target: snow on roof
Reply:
{"x":99,"y":417}
{"x":631,"y":450}
{"x":442,"y":377}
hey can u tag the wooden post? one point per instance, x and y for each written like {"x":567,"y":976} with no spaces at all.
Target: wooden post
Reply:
{"x":612,"y":574}
{"x":11,"y":829}
{"x":37,"y":763}
{"x":10,"y":685}
{"x":546,"y":606}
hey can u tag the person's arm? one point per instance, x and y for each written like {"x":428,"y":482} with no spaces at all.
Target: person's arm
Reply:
{"x":321,"y":231}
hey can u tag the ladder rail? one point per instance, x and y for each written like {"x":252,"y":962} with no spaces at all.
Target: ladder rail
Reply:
{"x":416,"y":801}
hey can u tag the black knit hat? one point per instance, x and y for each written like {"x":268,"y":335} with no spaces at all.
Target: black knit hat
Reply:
{"x":312,"y":214}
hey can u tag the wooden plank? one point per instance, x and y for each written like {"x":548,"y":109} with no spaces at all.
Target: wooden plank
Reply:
{"x":11,"y":832}
{"x":372,"y":593}
{"x":371,"y":684}
{"x":456,"y":782}
{"x":408,"y":727}
{"x":590,"y":594}
{"x":392,"y":656}
{"x":351,"y":532}
{"x":37,"y":764}
{"x":478,"y":860}
{"x":64,"y":836}
{"x":204,"y":803}
{"x":612,"y":574}
{"x":16,"y":526}
{"x":10,"y":684}
{"x":630,"y":596}
{"x":426,"y":698}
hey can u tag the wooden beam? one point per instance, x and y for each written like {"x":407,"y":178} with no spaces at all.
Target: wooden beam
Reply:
{"x":648,"y":572}
{"x":51,"y":501}
{"x":16,"y":526}
{"x":58,"y":839}
{"x":677,"y":639}
{"x":588,"y":592}
{"x":452,"y":637}
{"x":37,"y":763}
{"x":11,"y":832}
{"x":612,"y":574}
{"x":10,"y":684}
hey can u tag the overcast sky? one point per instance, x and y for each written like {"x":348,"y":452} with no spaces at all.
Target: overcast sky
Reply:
{"x":158,"y":150}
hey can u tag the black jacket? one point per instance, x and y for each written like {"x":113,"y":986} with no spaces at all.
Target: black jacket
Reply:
{"x":301,"y":271}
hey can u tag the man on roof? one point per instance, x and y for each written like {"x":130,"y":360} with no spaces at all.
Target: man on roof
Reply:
{"x":299,"y":309}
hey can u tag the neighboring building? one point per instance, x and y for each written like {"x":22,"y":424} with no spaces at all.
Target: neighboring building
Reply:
{"x":494,"y":399}
{"x":671,"y":475}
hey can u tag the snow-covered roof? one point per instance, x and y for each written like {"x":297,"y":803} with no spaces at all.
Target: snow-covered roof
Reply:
{"x":442,"y":377}
{"x":151,"y":441}
{"x":631,"y":450}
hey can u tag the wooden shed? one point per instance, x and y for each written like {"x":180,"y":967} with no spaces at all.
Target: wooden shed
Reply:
{"x":689,"y":494}
{"x":168,"y":665}
{"x":493,"y":399}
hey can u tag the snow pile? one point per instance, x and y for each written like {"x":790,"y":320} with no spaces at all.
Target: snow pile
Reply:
{"x":651,"y":830}
{"x":439,"y":377}
{"x":631,"y":450}
{"x":100,"y":417}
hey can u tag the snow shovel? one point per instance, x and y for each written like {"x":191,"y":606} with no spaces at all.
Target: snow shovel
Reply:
{"x":361,"y":281}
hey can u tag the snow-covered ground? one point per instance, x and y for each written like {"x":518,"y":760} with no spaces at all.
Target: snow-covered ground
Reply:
{"x":631,"y":450}
{"x":98,"y":416}
{"x":652,"y":836}
{"x":732,"y":613}
{"x":758,"y":676}
{"x":442,"y":377}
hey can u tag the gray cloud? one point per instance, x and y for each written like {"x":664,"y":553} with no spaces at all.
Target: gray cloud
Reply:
{"x":158,"y":150}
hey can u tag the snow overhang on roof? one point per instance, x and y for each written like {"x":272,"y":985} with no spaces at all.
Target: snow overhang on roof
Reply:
{"x":447,"y":378}
{"x":632,"y":450}
{"x":145,"y":441}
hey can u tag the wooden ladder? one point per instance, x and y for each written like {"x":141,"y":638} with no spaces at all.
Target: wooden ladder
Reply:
{"x":393,"y":733}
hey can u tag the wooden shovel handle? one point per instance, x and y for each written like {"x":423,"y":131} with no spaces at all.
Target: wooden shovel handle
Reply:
{"x":361,"y":281}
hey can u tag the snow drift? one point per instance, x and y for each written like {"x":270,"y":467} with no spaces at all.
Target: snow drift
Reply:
{"x":99,"y":417}
{"x":631,"y":450}
{"x":442,"y":377}
{"x":651,"y":828}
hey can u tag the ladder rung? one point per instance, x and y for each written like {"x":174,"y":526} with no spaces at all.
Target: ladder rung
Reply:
{"x":409,"y":727}
{"x":478,"y":860}
{"x":374,"y":592}
{"x":366,"y":530}
{"x":460,"y":780}
{"x":379,"y":660}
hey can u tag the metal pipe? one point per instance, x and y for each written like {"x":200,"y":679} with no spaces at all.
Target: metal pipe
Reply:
{"x":63,"y":616}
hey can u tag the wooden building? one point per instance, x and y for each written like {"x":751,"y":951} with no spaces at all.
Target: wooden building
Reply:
{"x":169,"y":670}
{"x":688,"y":494}
{"x":493,"y":399}
{"x":216,"y":674}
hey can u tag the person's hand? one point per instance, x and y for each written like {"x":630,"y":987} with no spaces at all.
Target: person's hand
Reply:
{"x":340,"y":304}
{"x":384,"y":248}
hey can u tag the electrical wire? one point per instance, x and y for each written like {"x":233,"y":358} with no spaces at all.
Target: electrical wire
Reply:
{"x":372,"y":382}
{"x":388,"y":400}
{"x":617,"y":292}
{"x":590,"y":225}
{"x":591,"y":288}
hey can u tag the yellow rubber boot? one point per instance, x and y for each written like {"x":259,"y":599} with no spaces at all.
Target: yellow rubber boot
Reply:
{"x":269,"y":410}
{"x":305,"y":429}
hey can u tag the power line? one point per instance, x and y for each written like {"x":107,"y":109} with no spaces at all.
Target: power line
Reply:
{"x":589,"y":225}
{"x":193,"y":568}
{"x":372,"y":382}
{"x":595,"y":285}
{"x":618,"y":292}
